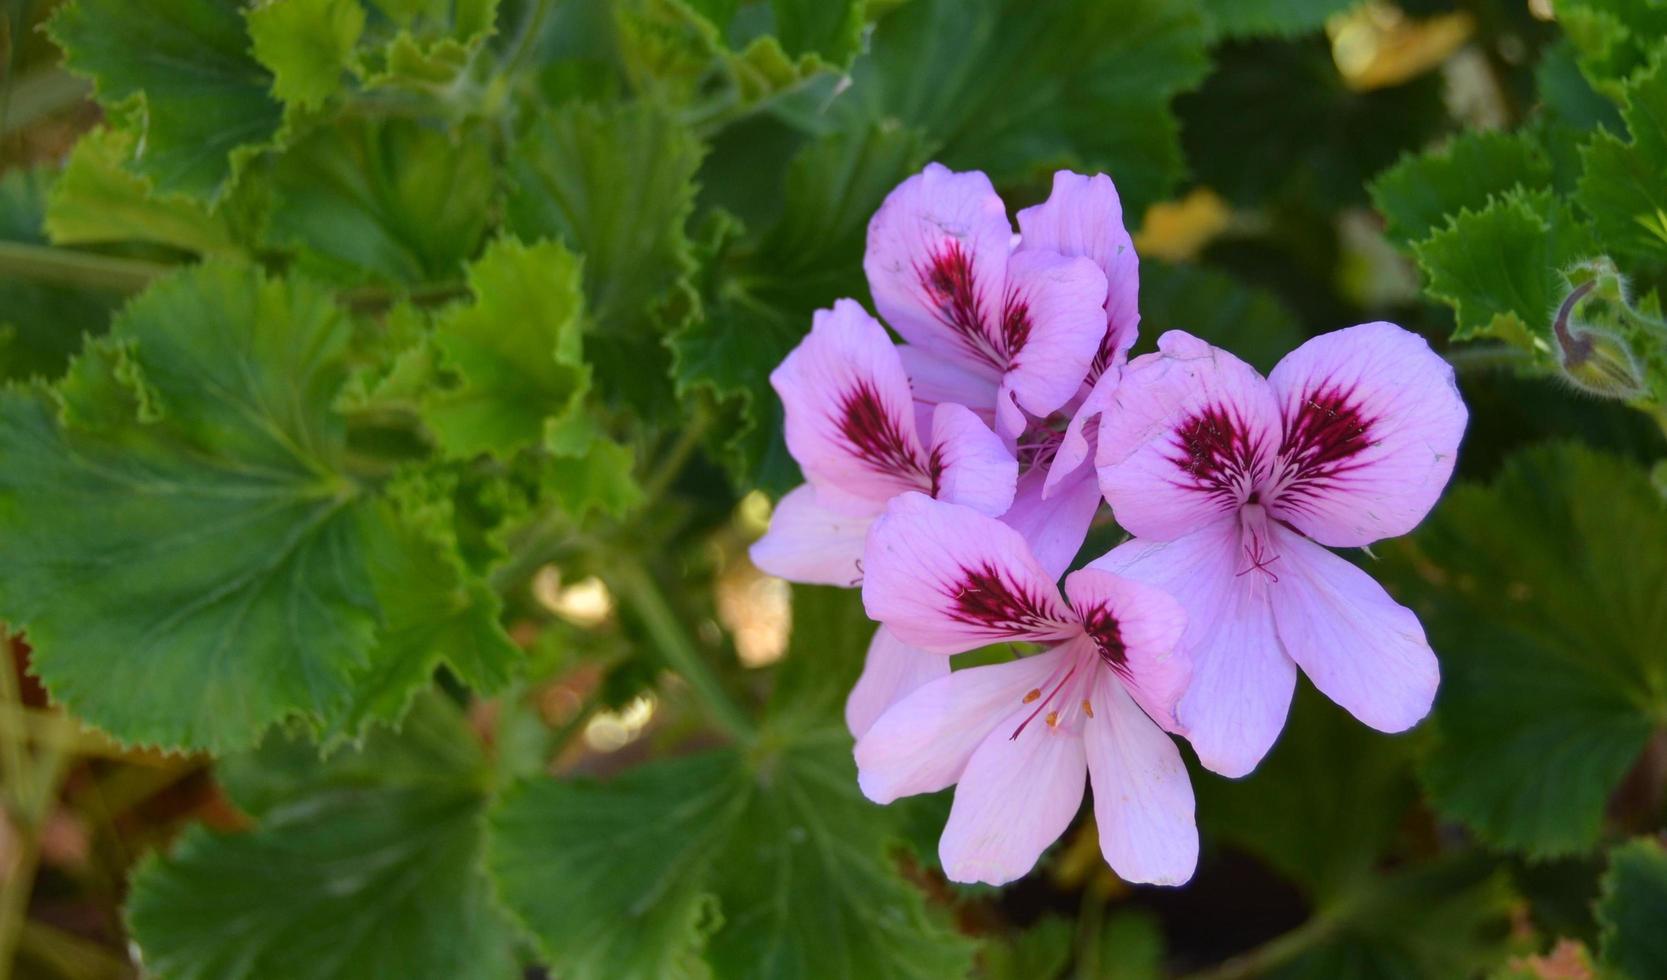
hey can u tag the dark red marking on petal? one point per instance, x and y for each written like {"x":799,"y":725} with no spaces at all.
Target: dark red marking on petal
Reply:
{"x":1102,"y":627}
{"x":948,"y":280}
{"x":878,"y":437}
{"x":1217,"y":454}
{"x":1015,"y":325}
{"x":1322,"y":442}
{"x":985,"y":597}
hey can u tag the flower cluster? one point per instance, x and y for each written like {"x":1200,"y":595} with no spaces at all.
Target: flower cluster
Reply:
{"x":954,"y":478}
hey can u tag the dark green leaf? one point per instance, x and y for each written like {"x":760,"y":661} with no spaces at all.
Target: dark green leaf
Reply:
{"x":1243,"y":18}
{"x":385,"y":201}
{"x":1624,"y":185}
{"x":1253,"y":323}
{"x":362,"y":866}
{"x":1551,"y":624}
{"x":203,"y":102}
{"x":1418,"y":193}
{"x":1633,"y":910}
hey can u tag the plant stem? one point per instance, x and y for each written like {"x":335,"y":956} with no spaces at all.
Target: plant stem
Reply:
{"x":39,"y":94}
{"x":635,"y":586}
{"x":84,"y":270}
{"x":1262,"y":959}
{"x":673,"y":462}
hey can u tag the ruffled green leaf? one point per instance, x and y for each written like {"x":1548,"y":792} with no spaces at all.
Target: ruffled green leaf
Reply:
{"x":307,"y":45}
{"x":201,"y":100}
{"x":615,"y":184}
{"x":1551,"y":624}
{"x":1248,"y":18}
{"x":382,"y":201}
{"x":97,"y":200}
{"x":732,"y":866}
{"x":194,"y":560}
{"x":1418,"y":193}
{"x":514,"y":353}
{"x":366,"y":865}
{"x":1624,"y":184}
{"x":1501,"y":267}
{"x":1633,"y":910}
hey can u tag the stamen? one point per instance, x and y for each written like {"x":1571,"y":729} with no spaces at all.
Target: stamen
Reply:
{"x":1052,"y":715}
{"x":1053,"y":719}
{"x":1087,"y":708}
{"x":1035,"y":693}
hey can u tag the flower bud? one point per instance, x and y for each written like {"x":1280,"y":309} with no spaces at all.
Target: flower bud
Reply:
{"x":1597,"y":359}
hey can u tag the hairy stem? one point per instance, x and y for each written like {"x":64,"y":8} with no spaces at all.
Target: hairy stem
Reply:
{"x":83,"y":270}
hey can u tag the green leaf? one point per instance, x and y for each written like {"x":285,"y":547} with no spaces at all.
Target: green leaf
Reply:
{"x":192,"y":563}
{"x":1246,"y":18}
{"x":1633,"y":909}
{"x":41,"y":325}
{"x":779,"y":844}
{"x":1614,"y":38}
{"x":1417,"y":194}
{"x":1324,"y":804}
{"x":1501,"y":267}
{"x":96,"y":200}
{"x":615,"y":184}
{"x":1253,"y":323}
{"x":1551,"y":625}
{"x":202,"y":101}
{"x":599,"y":480}
{"x":515,"y":350}
{"x":1040,"y":952}
{"x":1018,"y":88}
{"x":435,"y":611}
{"x":610,"y":878}
{"x":366,"y":865}
{"x":806,"y":885}
{"x":761,"y":308}
{"x":382,"y":201}
{"x":1624,"y":185}
{"x":307,"y":45}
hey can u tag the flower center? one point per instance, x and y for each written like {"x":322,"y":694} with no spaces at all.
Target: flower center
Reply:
{"x":1063,"y":701}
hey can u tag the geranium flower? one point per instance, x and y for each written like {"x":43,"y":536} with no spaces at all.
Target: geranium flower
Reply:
{"x":1231,"y":483}
{"x":852,"y":426}
{"x":1048,"y":352}
{"x":1016,"y":739}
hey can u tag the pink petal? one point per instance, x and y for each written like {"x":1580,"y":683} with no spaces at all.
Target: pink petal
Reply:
{"x":1082,"y":432}
{"x":936,"y":380}
{"x":922,"y":743}
{"x":1361,"y":648}
{"x":1373,"y":421}
{"x":947,"y":578}
{"x":1055,"y":527}
{"x":1242,"y":681}
{"x":1136,"y":631}
{"x":1084,"y":216}
{"x":812,"y":543}
{"x":1016,"y":796}
{"x":1052,"y":323}
{"x":974,"y":467}
{"x":892,"y":670}
{"x":1187,"y":436}
{"x":937,"y":264}
{"x":1143,"y":804}
{"x":849,"y":414}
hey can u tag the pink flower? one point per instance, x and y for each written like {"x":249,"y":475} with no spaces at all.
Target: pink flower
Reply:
{"x":1231,"y":483}
{"x":1017,"y":739}
{"x":852,"y":426}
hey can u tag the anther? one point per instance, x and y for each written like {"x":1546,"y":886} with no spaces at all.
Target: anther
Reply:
{"x":1087,"y":708}
{"x":1035,"y":693}
{"x":1053,"y":719}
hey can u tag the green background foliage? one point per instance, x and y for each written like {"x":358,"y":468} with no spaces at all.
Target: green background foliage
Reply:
{"x":386,"y":414}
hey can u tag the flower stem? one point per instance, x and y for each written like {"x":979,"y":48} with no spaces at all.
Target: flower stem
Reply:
{"x":83,"y":270}
{"x":635,"y":586}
